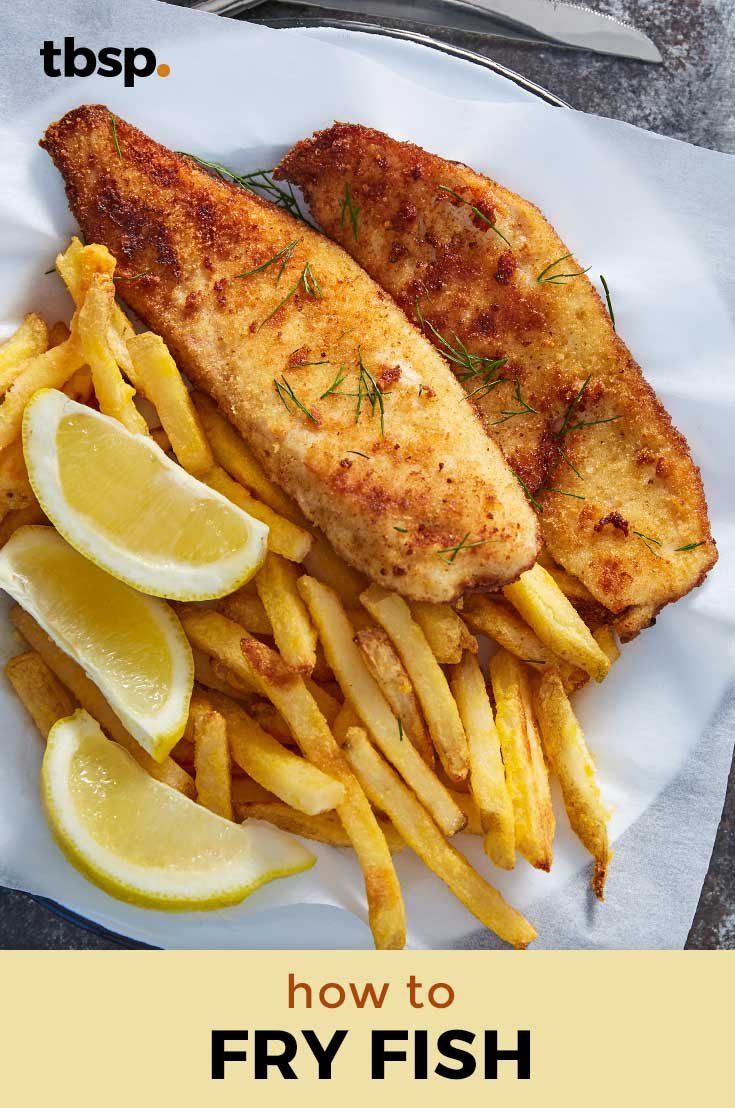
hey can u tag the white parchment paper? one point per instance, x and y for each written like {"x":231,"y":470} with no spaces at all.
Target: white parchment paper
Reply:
{"x":653,"y":215}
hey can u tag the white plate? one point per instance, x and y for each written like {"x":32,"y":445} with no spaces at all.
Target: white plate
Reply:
{"x":645,"y":731}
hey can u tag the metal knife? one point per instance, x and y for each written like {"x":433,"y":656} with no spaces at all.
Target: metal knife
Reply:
{"x":538,"y":21}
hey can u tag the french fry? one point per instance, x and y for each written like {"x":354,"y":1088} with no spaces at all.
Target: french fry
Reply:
{"x":325,"y":828}
{"x":321,"y":671}
{"x":503,"y":625}
{"x":217,"y":635}
{"x":346,"y":717}
{"x":247,"y":610}
{"x":15,"y":488}
{"x":271,"y":721}
{"x":284,"y":537}
{"x":79,"y":387}
{"x":91,"y":699}
{"x":389,"y":672}
{"x":385,"y":789}
{"x":211,"y":758}
{"x":362,"y":691}
{"x":23,"y":517}
{"x":325,"y":564}
{"x":487,"y":774}
{"x":156,"y":376}
{"x":445,"y":631}
{"x":565,"y":748}
{"x":328,"y":705}
{"x":440,"y":712}
{"x":42,"y":694}
{"x":236,"y":458}
{"x":525,"y":770}
{"x":604,"y":636}
{"x":468,"y":804}
{"x":58,"y":333}
{"x":247,"y":791}
{"x":50,"y":370}
{"x":30,"y":339}
{"x":183,"y":752}
{"x":292,"y":629}
{"x":76,"y":267}
{"x":284,"y":774}
{"x":114,"y":395}
{"x":214,"y":675}
{"x":543,"y":605}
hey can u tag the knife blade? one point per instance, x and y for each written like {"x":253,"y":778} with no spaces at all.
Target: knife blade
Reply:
{"x":536,"y":21}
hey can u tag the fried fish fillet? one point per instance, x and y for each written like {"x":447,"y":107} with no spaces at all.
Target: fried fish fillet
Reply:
{"x":620,"y":500}
{"x":346,"y":405}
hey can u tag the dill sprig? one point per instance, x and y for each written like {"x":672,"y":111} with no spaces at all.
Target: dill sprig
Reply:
{"x":283,"y":256}
{"x":287,"y":396}
{"x":529,"y":495}
{"x":649,"y":542}
{"x":525,"y":409}
{"x":453,"y":551}
{"x":351,"y":209}
{"x":400,"y":728}
{"x":689,"y":546}
{"x":403,"y":530}
{"x":469,"y":365}
{"x":306,"y":280}
{"x":338,"y":380}
{"x":113,"y":128}
{"x":563,"y":492}
{"x":567,"y":426}
{"x":480,"y":214}
{"x":609,"y":301}
{"x":368,"y":389}
{"x":260,"y":181}
{"x":359,"y":454}
{"x":558,"y":278}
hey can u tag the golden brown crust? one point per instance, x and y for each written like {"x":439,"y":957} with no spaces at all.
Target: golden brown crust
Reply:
{"x":389,"y":502}
{"x":423,"y":243}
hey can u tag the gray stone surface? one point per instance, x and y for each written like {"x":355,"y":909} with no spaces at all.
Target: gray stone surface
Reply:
{"x":691,"y":97}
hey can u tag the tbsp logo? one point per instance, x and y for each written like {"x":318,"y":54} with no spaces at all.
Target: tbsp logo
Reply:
{"x":80,"y":61}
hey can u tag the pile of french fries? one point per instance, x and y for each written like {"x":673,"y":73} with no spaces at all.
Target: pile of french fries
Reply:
{"x":328,"y":706}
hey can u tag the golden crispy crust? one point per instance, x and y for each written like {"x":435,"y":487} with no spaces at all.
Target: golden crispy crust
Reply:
{"x":389,"y":502}
{"x":446,"y":250}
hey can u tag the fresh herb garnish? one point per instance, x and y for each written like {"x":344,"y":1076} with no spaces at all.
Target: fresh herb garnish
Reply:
{"x":351,"y":209}
{"x":563,"y":492}
{"x":306,"y":280}
{"x":287,"y":396}
{"x":403,"y":530}
{"x":283,"y":256}
{"x":525,"y":409}
{"x":359,"y":454}
{"x":567,"y":426}
{"x":609,"y":302}
{"x":113,"y":128}
{"x":260,"y":181}
{"x":558,"y":278}
{"x":135,"y":277}
{"x":470,"y":365}
{"x":400,"y":729}
{"x":534,"y":661}
{"x":480,"y":214}
{"x":338,"y":380}
{"x":689,"y":546}
{"x":453,"y":551}
{"x":649,"y":542}
{"x":368,"y":389}
{"x":529,"y":495}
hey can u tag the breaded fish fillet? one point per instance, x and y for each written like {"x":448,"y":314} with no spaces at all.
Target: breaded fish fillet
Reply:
{"x":346,"y":405}
{"x":619,"y":498}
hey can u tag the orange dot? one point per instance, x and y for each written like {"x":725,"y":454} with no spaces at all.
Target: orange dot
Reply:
{"x":163,"y":70}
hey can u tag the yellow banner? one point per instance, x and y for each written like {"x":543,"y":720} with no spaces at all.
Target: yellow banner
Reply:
{"x":179,"y":1029}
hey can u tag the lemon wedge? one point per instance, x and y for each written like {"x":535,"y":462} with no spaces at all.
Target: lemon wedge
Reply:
{"x":120,"y":501}
{"x":132,"y":646}
{"x":142,"y":841}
